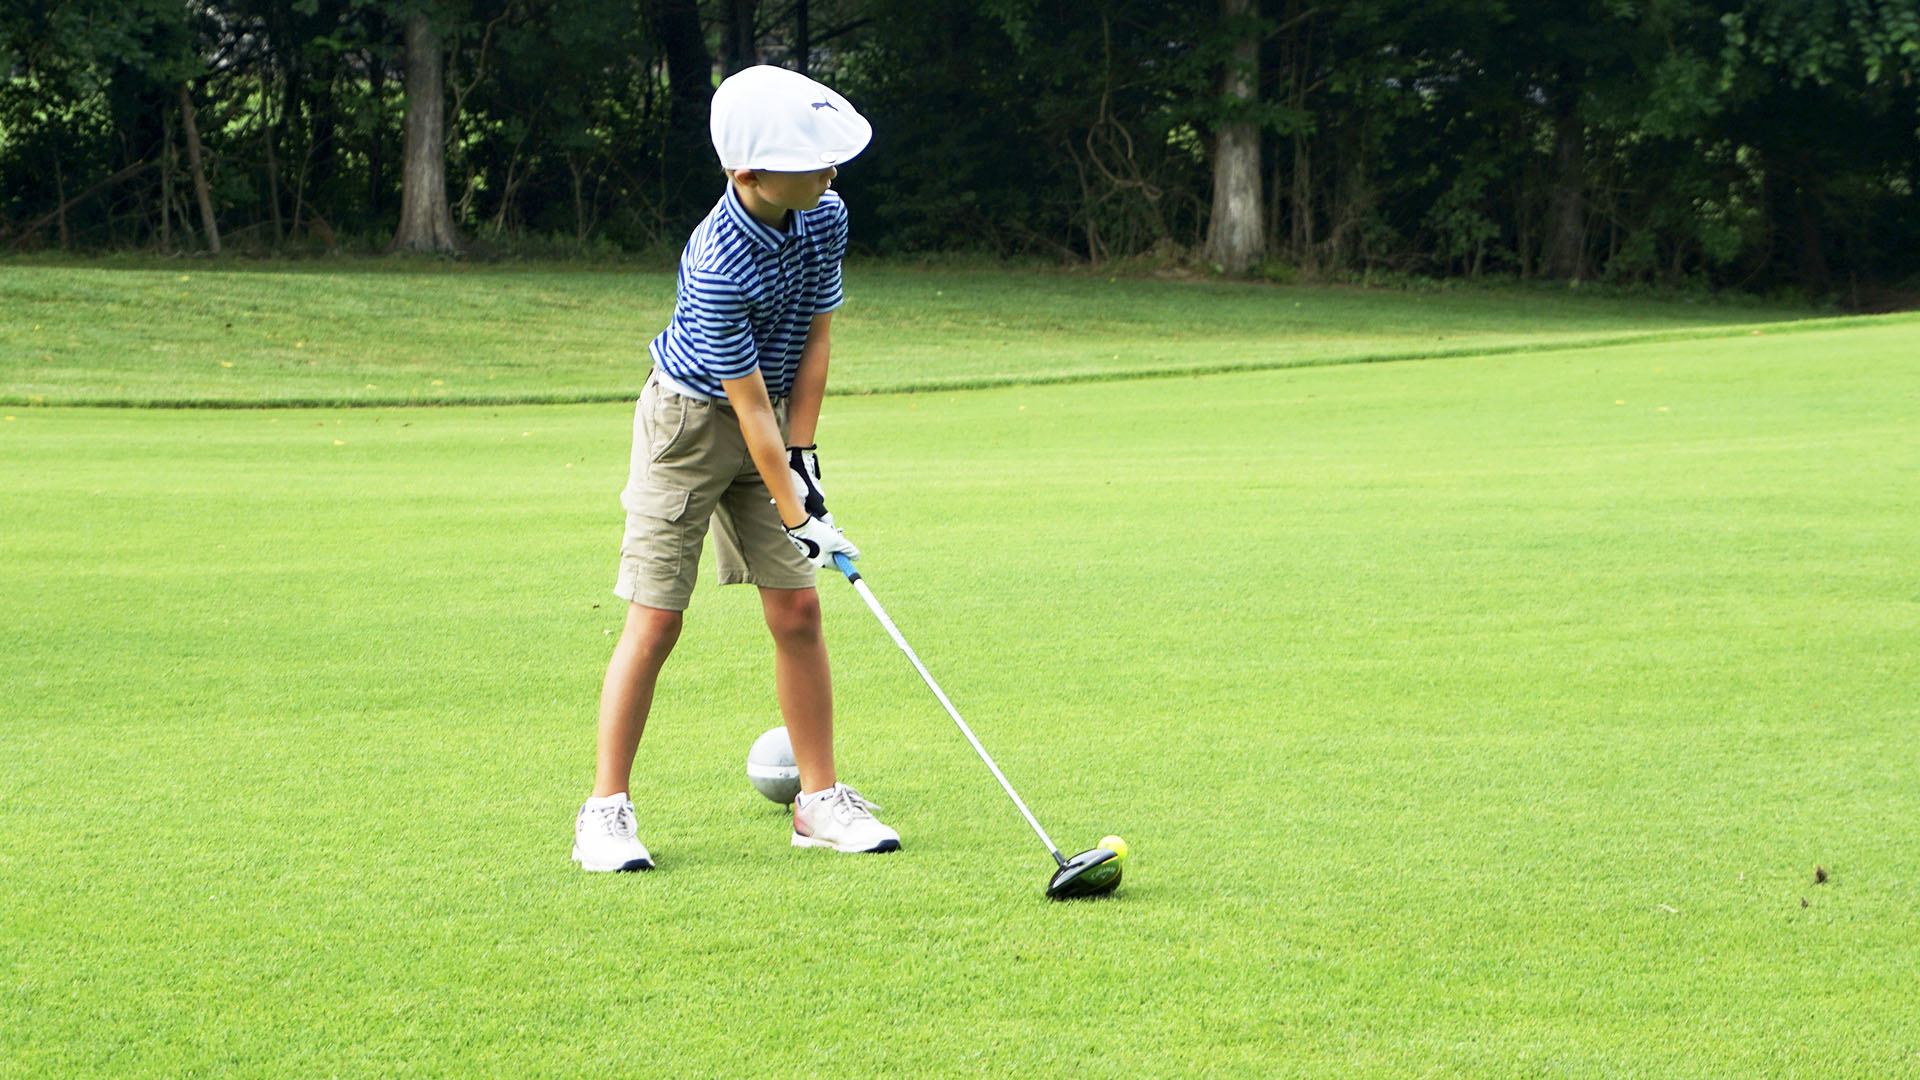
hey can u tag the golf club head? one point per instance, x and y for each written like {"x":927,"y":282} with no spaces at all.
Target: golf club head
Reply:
{"x":1095,"y":872}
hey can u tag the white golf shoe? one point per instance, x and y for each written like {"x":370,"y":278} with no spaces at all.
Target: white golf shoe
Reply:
{"x":604,"y":837}
{"x":840,"y":819}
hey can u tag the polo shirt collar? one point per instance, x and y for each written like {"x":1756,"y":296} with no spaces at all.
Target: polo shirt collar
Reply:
{"x":757,"y":230}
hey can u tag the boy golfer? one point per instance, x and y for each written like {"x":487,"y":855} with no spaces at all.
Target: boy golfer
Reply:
{"x":724,"y":435}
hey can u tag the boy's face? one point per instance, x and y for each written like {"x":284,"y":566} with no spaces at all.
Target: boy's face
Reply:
{"x":785,"y":191}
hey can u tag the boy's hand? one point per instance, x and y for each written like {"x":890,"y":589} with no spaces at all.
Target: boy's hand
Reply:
{"x":804,"y":464}
{"x":817,"y":541}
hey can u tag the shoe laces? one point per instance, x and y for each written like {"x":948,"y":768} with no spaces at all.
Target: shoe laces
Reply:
{"x":850,"y":805}
{"x":616,"y":820}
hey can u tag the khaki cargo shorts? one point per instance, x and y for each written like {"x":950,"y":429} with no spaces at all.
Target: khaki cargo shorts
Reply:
{"x":691,"y":467}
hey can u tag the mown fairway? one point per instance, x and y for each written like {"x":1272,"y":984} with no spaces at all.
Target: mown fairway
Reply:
{"x":1483,"y":716}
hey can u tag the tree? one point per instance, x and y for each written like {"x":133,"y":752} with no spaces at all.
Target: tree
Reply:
{"x":1236,"y":235}
{"x":201,"y":193}
{"x":1827,"y":95}
{"x":1758,"y":144}
{"x":742,"y":44}
{"x":426,"y":218}
{"x":687,"y":151}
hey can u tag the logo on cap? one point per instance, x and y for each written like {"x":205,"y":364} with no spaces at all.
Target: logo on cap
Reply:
{"x":818,"y":105}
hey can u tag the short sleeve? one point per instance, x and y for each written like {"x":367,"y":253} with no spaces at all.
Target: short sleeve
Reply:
{"x":720,"y":324}
{"x":828,"y":294}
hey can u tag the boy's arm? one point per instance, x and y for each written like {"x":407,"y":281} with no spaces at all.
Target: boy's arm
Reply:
{"x":809,"y":383}
{"x":816,"y":540}
{"x":748,"y":396}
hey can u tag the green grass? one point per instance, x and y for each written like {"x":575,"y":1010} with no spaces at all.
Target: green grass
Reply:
{"x":1472,"y":717}
{"x":289,"y":334}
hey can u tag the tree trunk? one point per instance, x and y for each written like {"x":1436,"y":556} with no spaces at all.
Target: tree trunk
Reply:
{"x":320,"y":184}
{"x":1294,"y":200}
{"x":687,"y":157}
{"x":575,"y":169}
{"x":60,"y":192}
{"x":742,"y":49}
{"x":185,"y":219}
{"x":1810,"y":246}
{"x":426,"y":221}
{"x":166,"y":185}
{"x":802,"y":44}
{"x":373,"y":140}
{"x":273,"y":165}
{"x":1276,"y":207}
{"x":1305,"y":250}
{"x":1236,"y":237}
{"x":200,"y":190}
{"x":1566,"y":208}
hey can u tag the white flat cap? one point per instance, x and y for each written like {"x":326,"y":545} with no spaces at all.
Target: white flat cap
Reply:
{"x":781,"y":121}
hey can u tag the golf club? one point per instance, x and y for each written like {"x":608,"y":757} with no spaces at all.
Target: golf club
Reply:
{"x":1093,"y":872}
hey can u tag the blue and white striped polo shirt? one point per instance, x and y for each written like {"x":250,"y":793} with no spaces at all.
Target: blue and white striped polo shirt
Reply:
{"x":748,"y":294}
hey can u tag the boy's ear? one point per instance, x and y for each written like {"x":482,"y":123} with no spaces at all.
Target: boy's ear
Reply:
{"x":744,"y":176}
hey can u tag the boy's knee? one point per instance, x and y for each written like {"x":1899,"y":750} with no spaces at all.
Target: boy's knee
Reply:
{"x":793,"y":615}
{"x":651,"y":631}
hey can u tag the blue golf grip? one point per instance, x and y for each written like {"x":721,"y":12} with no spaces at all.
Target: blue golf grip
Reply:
{"x":846,"y":566}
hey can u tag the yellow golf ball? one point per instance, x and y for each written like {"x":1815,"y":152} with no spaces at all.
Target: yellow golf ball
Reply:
{"x":1115,"y":845}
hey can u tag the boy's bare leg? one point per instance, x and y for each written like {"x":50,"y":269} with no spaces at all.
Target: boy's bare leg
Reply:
{"x":804,"y":683}
{"x":627,"y":694}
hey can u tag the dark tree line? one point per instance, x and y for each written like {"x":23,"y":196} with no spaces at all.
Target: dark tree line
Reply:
{"x":1746,"y":143}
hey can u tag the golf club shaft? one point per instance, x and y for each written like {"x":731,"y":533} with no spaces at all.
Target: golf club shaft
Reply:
{"x":853,"y":576}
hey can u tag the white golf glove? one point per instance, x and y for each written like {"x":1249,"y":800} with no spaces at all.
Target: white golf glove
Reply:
{"x":817,"y":541}
{"x":804,"y":465}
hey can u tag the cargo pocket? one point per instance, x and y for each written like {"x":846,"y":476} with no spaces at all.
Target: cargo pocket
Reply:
{"x":660,"y":554}
{"x":661,"y":504}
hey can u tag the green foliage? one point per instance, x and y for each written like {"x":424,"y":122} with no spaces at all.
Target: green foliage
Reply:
{"x":1765,"y":143}
{"x":1863,"y":42}
{"x":1458,"y":217}
{"x":1059,"y":128}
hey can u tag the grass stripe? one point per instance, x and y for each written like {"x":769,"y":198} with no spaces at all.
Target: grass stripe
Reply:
{"x":277,"y":338}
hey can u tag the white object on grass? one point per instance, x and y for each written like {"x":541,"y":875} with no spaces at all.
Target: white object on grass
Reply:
{"x":771,"y":768}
